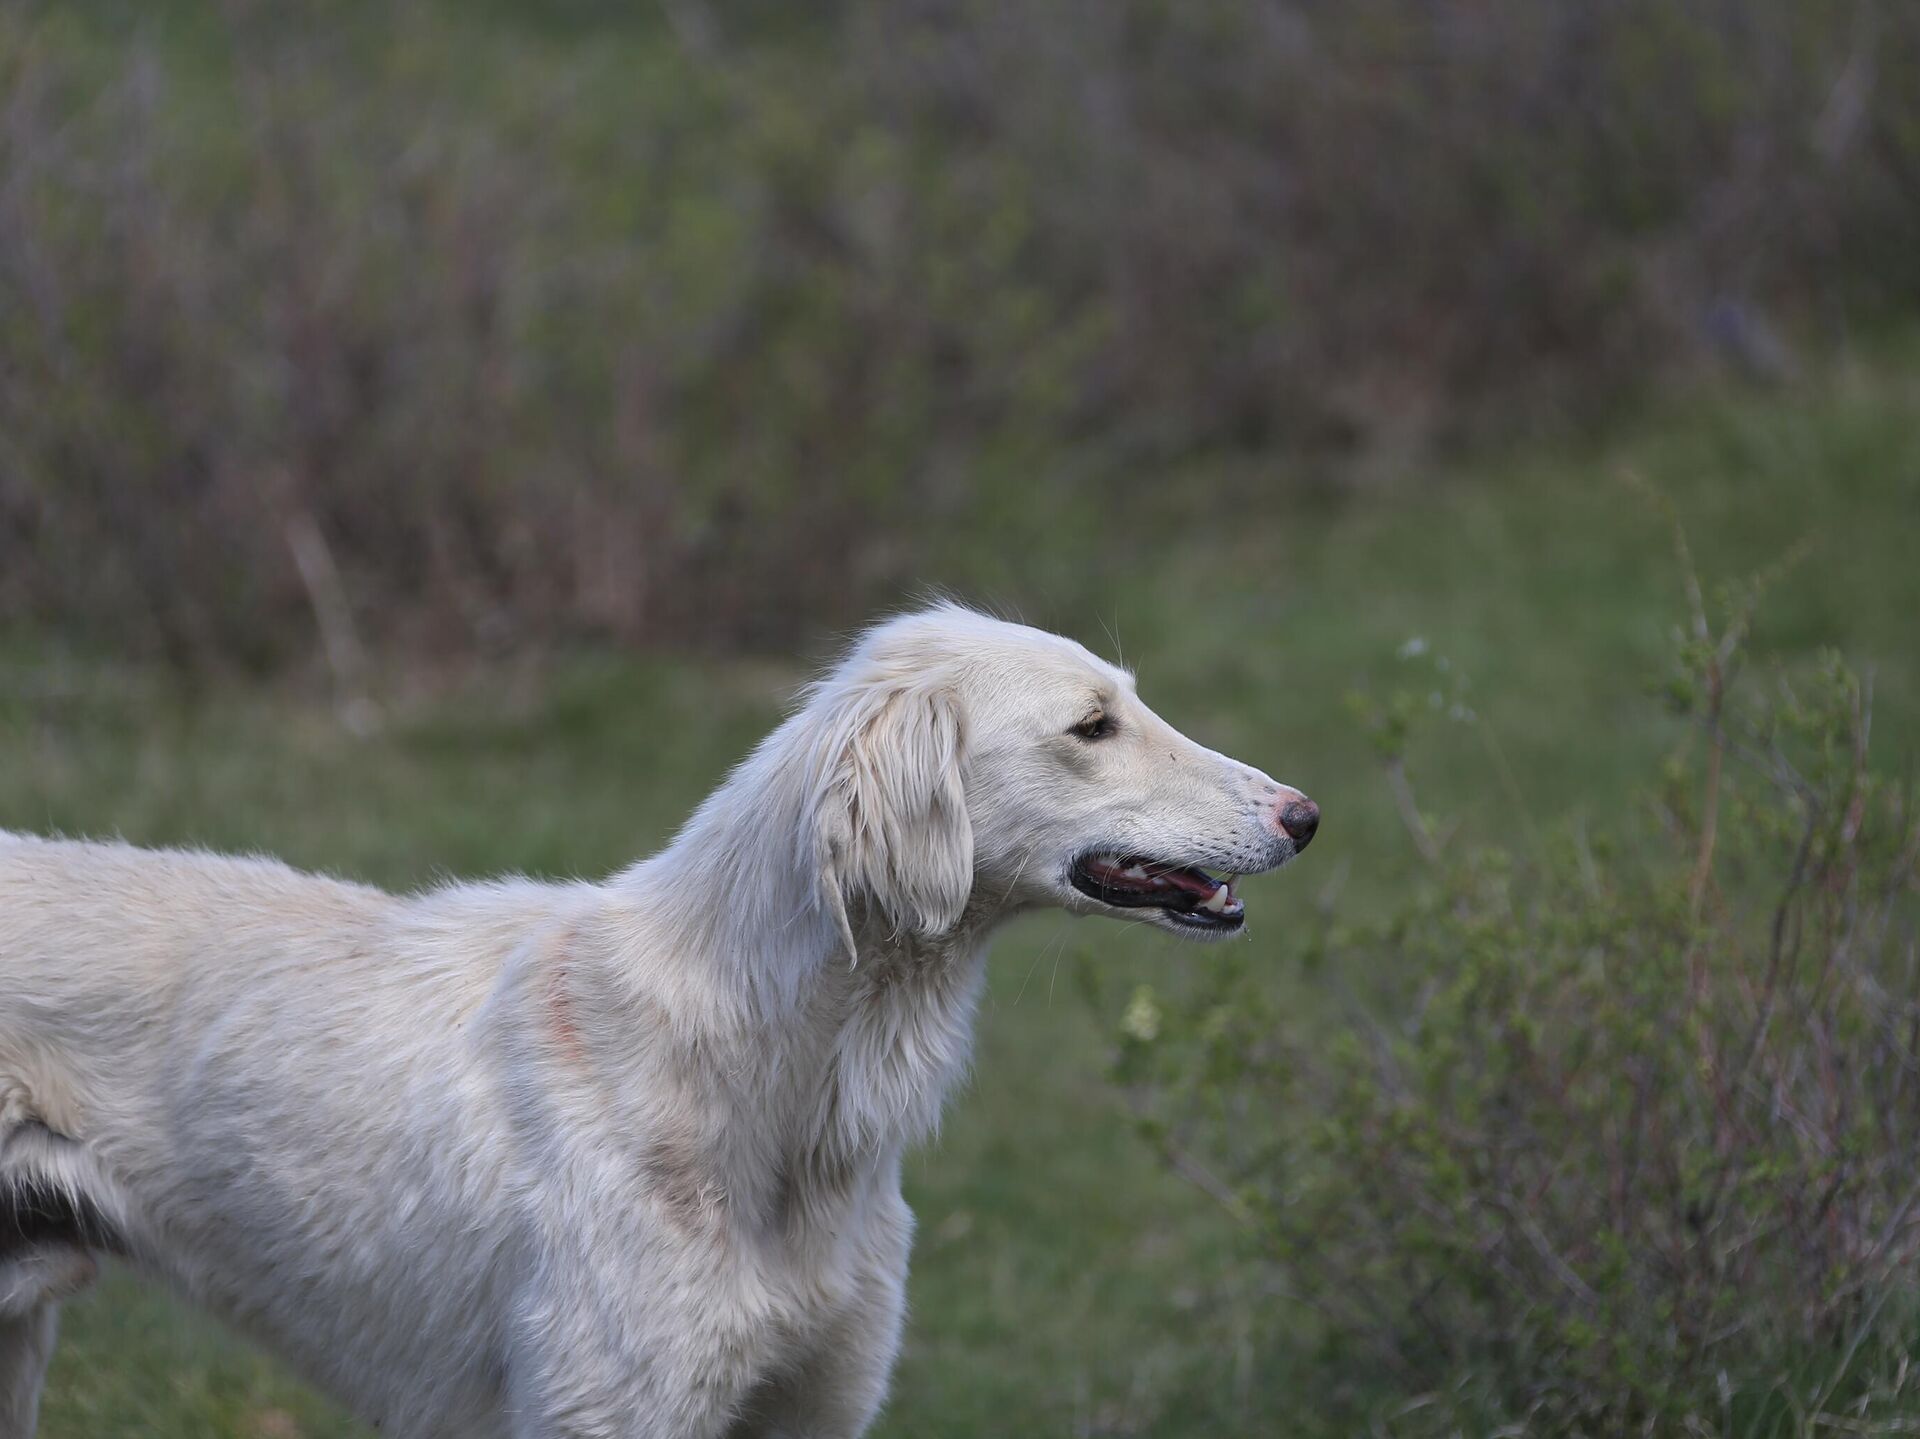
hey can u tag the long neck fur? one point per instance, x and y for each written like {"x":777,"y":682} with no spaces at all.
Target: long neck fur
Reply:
{"x":737,"y":929}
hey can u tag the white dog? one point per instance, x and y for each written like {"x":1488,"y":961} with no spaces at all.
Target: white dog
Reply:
{"x":539,"y":1160}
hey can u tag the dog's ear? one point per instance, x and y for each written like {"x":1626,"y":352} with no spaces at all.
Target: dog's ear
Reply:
{"x":891,"y":822}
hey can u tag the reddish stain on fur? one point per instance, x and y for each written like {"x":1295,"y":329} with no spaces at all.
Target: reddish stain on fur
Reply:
{"x":566,"y":1033}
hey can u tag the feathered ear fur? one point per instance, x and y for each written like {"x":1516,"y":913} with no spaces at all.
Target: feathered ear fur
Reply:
{"x":890,"y":812}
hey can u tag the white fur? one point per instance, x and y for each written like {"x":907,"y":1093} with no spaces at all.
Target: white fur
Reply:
{"x":535,"y":1160}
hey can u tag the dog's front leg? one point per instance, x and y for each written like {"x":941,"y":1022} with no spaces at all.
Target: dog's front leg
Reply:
{"x":837,"y":1392}
{"x":580,"y":1392}
{"x":599,"y":1405}
{"x":26,"y":1348}
{"x":656,"y":1357}
{"x":839,"y":1383}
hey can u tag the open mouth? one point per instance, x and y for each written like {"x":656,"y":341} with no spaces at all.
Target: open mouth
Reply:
{"x":1187,"y":895}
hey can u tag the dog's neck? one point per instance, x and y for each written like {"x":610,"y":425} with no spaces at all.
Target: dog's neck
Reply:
{"x":866,"y":1046}
{"x":902,"y":1025}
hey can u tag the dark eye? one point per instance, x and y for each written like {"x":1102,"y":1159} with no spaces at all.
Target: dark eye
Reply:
{"x":1096,"y":726}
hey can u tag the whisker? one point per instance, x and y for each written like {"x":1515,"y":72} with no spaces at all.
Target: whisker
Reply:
{"x":1057,"y":943}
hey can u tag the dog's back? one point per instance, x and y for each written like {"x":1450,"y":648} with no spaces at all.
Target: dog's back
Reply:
{"x":211,"y":1064}
{"x":99,"y":943}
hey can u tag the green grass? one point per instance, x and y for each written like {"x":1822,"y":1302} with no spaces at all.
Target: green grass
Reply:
{"x":1062,"y":1284}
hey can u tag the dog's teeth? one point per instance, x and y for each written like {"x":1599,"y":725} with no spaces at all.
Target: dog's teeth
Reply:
{"x":1136,"y":872}
{"x":1217,"y":901}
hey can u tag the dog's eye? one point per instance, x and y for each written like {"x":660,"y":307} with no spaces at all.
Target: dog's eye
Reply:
{"x":1096,"y":726}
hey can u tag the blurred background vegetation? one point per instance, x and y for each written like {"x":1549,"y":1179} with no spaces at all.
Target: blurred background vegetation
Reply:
{"x":438,"y":437}
{"x":708,"y":324}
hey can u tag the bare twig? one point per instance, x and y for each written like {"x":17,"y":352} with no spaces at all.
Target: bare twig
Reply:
{"x":334,"y":618}
{"x":1423,"y":837}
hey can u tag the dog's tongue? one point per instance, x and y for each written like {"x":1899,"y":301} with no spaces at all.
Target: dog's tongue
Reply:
{"x":1215,"y":896}
{"x":1194,"y":882}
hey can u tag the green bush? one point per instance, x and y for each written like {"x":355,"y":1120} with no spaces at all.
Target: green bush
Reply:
{"x":1620,"y":1132}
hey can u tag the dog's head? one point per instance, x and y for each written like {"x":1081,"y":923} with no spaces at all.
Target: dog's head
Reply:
{"x":967,"y":760}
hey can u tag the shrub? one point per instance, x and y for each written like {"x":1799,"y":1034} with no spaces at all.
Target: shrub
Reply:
{"x":1625,"y":1136}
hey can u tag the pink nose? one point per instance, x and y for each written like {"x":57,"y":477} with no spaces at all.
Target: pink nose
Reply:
{"x":1298,"y":818}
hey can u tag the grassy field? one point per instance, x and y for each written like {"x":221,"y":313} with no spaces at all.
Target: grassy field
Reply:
{"x":1062,"y":1284}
